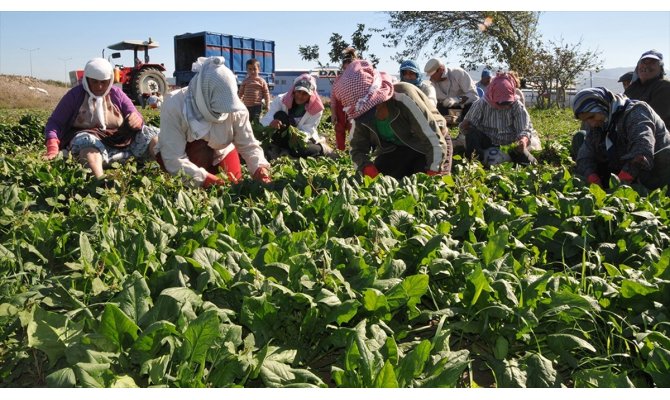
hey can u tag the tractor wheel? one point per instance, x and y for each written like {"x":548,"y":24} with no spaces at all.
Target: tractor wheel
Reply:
{"x":148,"y":81}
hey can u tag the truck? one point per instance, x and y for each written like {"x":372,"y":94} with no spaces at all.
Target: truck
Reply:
{"x":236,"y":50}
{"x":140,"y":80}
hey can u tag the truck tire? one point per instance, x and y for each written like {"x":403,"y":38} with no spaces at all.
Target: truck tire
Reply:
{"x":148,"y":80}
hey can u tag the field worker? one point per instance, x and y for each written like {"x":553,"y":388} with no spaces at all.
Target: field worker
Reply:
{"x":204,"y":125}
{"x":625,"y":137}
{"x":98,"y":123}
{"x":483,"y":83}
{"x":454,"y":89}
{"x":397,"y":121}
{"x":499,"y":119}
{"x":650,"y":85}
{"x":339,"y":119}
{"x":625,"y":79}
{"x":155,"y":101}
{"x":409,"y":72}
{"x":300,"y":108}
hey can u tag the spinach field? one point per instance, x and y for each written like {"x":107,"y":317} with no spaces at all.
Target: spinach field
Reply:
{"x":508,"y":277}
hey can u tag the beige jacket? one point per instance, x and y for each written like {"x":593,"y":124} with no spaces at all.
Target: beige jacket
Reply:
{"x":234,"y":132}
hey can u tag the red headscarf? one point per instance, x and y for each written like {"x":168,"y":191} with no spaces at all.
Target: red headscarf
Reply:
{"x":361,"y":87}
{"x":501,"y":89}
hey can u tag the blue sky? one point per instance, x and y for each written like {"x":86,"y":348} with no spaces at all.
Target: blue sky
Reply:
{"x":62,"y":40}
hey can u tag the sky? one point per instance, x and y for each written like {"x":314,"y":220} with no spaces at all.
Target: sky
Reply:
{"x":45,"y":41}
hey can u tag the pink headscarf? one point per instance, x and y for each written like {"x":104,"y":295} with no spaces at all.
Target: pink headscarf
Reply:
{"x":314,"y":105}
{"x":361,"y":87}
{"x":502,"y":88}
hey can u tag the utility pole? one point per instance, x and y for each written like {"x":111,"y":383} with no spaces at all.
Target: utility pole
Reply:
{"x":30,"y":52}
{"x":65,"y":60}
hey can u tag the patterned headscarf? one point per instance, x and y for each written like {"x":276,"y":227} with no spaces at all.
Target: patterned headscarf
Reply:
{"x":501,"y":89}
{"x":314,"y":105}
{"x":361,"y":87}
{"x":598,"y":100}
{"x":211,"y":95}
{"x":99,"y":69}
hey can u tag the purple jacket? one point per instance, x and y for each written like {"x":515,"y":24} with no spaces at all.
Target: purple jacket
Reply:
{"x":60,"y":122}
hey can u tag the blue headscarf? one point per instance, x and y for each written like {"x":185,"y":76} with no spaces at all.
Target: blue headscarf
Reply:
{"x":410,"y":65}
{"x":599,"y":100}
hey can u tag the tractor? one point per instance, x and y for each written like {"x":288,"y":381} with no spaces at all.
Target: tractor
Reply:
{"x":143,"y":78}
{"x":140,"y":80}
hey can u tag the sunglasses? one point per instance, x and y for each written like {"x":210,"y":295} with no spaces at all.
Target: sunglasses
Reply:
{"x":504,"y":103}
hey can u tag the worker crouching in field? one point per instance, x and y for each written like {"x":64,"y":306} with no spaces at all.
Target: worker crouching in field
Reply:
{"x":295,"y":117}
{"x":398,"y":122}
{"x":204,"y":125}
{"x":625,"y":137}
{"x":499,"y":119}
{"x":98,"y":123}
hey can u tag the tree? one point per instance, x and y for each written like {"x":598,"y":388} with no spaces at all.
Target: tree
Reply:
{"x":359,"y":40}
{"x":556,"y":67}
{"x":483,"y":37}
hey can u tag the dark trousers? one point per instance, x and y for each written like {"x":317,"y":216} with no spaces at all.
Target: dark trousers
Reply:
{"x":401,"y":162}
{"x":478,"y":142}
{"x":255,"y":112}
{"x":463,"y":108}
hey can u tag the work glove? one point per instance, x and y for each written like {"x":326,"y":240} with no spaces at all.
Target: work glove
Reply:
{"x":594,"y":179}
{"x":625,"y":177}
{"x":52,"y":148}
{"x":370,"y":170}
{"x":212,"y":180}
{"x":262,"y":175}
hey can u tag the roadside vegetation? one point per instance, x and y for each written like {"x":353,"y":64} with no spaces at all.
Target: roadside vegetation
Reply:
{"x":508,"y":277}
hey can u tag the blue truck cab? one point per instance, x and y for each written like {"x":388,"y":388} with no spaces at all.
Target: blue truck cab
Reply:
{"x":235,"y":49}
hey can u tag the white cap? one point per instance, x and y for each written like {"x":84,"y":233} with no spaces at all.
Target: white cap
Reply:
{"x":431,"y":66}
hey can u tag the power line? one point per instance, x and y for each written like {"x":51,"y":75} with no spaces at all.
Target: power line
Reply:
{"x":65,"y":60}
{"x":30,"y":52}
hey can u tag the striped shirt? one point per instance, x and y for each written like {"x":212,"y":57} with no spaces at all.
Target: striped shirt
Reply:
{"x":501,"y":126}
{"x":253,"y":91}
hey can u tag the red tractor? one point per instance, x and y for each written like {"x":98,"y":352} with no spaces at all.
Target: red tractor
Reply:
{"x":143,"y":78}
{"x":140,"y":80}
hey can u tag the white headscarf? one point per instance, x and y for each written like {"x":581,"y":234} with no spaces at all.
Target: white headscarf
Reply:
{"x":100,"y":69}
{"x":212,"y":95}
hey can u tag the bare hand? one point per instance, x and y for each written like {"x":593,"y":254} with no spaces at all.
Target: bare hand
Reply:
{"x":276,"y":124}
{"x":522,"y":144}
{"x":134,"y":121}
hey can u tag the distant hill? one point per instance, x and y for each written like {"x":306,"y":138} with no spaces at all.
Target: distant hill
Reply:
{"x":606,"y":78}
{"x":18,"y":92}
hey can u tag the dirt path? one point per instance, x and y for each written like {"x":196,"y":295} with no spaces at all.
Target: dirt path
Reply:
{"x":16,"y":92}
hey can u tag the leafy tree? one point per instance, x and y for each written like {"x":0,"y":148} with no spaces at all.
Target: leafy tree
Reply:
{"x":556,"y":67}
{"x":359,"y":40}
{"x":483,"y":37}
